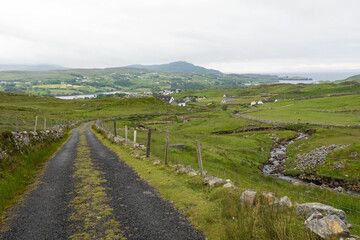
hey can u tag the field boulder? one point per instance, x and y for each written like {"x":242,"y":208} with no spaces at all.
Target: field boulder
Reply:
{"x":248,"y":198}
{"x":328,"y":226}
{"x":308,"y":209}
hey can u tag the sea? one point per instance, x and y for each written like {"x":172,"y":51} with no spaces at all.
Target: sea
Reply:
{"x":317,"y":77}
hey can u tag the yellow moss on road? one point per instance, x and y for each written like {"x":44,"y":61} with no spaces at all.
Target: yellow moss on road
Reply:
{"x":91,"y":210}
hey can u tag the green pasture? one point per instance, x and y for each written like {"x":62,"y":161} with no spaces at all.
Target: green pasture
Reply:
{"x":246,"y":152}
{"x":332,"y":110}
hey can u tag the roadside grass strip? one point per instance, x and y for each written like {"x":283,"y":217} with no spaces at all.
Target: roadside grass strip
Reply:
{"x":92,"y":214}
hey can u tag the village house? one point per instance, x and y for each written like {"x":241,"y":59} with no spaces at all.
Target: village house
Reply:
{"x":260,"y":102}
{"x":168,"y":99}
{"x":230,"y":96}
{"x":267,"y":100}
{"x":179,"y":102}
{"x":227,"y":100}
{"x":253,"y":103}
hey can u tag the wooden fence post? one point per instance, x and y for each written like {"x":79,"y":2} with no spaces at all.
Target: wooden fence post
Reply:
{"x":126,"y":134}
{"x":36,"y":119}
{"x":44,"y":124}
{"x":198,"y":150}
{"x":134,"y":137}
{"x":166,"y":148}
{"x":115,"y":128}
{"x":148,"y":143}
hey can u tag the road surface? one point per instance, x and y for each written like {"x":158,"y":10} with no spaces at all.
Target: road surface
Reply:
{"x":87,"y":192}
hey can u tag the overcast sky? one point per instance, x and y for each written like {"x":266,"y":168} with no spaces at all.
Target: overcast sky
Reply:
{"x":229,"y":35}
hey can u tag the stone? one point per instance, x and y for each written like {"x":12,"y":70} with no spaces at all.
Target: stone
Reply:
{"x":156,"y":163}
{"x":213,"y":181}
{"x":354,"y":154}
{"x":26,"y":141}
{"x":248,"y":198}
{"x":285,"y":202}
{"x":327,"y":226}
{"x":185,"y":170}
{"x":268,"y":197}
{"x":308,"y":209}
{"x":178,"y":166}
{"x":192,"y":174}
{"x":297,"y":183}
{"x":339,"y":189}
{"x":229,"y":185}
{"x":338,"y":166}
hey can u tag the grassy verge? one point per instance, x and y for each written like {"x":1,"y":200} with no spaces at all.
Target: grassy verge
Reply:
{"x":15,"y":181}
{"x":215,"y":211}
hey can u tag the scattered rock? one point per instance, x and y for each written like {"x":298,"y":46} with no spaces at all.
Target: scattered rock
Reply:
{"x":213,"y":181}
{"x":185,"y":170}
{"x":339,"y":189}
{"x":283,"y":203}
{"x":135,"y":155}
{"x":156,"y":163}
{"x":229,"y":185}
{"x":248,"y":198}
{"x":297,"y":183}
{"x":354,"y":154}
{"x":268,"y":197}
{"x":338,"y":166}
{"x":327,"y":226}
{"x":309,"y":209}
{"x":315,"y":157}
{"x":192,"y":173}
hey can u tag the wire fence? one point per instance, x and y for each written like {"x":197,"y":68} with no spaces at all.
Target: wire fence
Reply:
{"x":240,"y":165}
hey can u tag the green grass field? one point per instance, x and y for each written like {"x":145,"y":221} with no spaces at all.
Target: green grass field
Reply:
{"x":332,"y":110}
{"x":25,"y":108}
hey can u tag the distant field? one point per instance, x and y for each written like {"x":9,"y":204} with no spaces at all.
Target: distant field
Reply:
{"x":26,"y":107}
{"x":333,"y":110}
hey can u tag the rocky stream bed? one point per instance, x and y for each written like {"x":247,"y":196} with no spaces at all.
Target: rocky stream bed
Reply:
{"x":275,"y":166}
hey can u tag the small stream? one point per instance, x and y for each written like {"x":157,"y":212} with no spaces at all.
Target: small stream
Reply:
{"x":274,"y":166}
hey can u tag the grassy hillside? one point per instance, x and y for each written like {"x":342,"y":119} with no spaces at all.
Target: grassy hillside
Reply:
{"x":26,"y":107}
{"x":277,"y":91}
{"x":355,"y":78}
{"x":83,"y":81}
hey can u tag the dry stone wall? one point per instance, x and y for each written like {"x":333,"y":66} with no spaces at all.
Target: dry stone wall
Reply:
{"x":12,"y":143}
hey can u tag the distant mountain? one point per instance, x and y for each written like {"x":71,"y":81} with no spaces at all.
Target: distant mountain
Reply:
{"x":39,"y":67}
{"x":179,"y":66}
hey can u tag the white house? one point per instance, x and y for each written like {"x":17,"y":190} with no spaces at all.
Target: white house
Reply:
{"x":253,"y":103}
{"x":227,"y":100}
{"x":260,"y":102}
{"x":179,"y":102}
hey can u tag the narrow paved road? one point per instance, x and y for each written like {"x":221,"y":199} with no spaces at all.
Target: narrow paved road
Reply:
{"x":87,"y":192}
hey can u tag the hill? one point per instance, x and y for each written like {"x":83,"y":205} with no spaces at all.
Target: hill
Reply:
{"x":40,"y":67}
{"x":179,"y":66}
{"x":355,"y":78}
